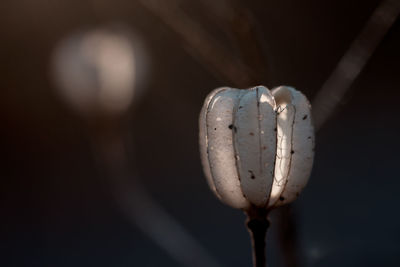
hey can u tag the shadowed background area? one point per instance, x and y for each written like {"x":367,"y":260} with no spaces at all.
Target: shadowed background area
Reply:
{"x":58,"y":207}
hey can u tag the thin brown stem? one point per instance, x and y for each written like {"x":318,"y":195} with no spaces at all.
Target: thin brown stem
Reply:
{"x":200,"y":44}
{"x":238,"y":22}
{"x":257,"y":224}
{"x":286,"y":222}
{"x":248,"y":39}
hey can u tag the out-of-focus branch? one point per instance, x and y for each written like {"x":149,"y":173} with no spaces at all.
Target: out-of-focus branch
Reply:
{"x":205,"y":49}
{"x":139,"y":206}
{"x":239,"y":24}
{"x":354,"y":60}
{"x":248,"y":40}
{"x":329,"y":96}
{"x":287,"y":223}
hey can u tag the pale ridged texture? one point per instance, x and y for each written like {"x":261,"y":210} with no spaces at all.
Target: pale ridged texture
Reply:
{"x":284,"y":123}
{"x":255,"y":151}
{"x":255,"y":144}
{"x":221,"y":153}
{"x":302,"y":148}
{"x":203,"y":139}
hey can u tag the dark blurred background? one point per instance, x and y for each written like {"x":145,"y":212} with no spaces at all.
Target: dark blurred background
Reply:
{"x":57,"y":206}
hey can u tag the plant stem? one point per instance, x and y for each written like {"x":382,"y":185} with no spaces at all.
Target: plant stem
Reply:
{"x":287,"y":236}
{"x":257,"y":224}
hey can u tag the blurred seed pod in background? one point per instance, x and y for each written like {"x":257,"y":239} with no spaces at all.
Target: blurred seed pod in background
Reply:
{"x":99,"y":72}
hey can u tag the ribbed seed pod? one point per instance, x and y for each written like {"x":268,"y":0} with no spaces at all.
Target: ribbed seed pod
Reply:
{"x":256,"y":146}
{"x":296,"y":135}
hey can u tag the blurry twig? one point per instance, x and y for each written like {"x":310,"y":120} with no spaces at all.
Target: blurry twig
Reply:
{"x":137,"y":204}
{"x":240,"y":24}
{"x":200,"y":44}
{"x":286,"y":220}
{"x":161,"y":227}
{"x":354,"y":60}
{"x":346,"y":71}
{"x":248,"y":39}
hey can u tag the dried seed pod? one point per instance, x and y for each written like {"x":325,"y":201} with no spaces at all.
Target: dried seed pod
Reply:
{"x":295,"y":149}
{"x":256,"y":146}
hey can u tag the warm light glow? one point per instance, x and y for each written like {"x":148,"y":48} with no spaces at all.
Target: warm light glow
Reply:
{"x":283,"y":152}
{"x":95,"y":71}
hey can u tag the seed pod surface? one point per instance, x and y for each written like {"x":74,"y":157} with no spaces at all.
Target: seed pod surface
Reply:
{"x":256,"y":147}
{"x":302,"y":142}
{"x":220,"y":152}
{"x":255,"y":143}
